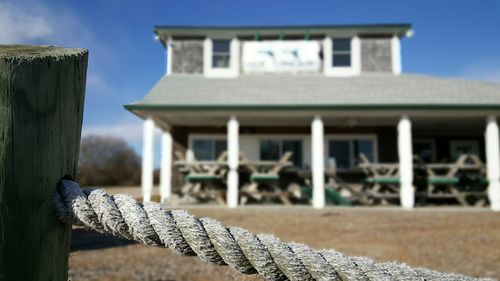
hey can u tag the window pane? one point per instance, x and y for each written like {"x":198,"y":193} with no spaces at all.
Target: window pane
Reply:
{"x":341,"y":44}
{"x":220,"y":46}
{"x":339,"y":151}
{"x":220,"y":147}
{"x":269,"y":150}
{"x":203,"y":149}
{"x":423,"y":150}
{"x":220,"y":61}
{"x":341,"y":60}
{"x":365,"y":147}
{"x":295,"y":147}
{"x":462,"y":149}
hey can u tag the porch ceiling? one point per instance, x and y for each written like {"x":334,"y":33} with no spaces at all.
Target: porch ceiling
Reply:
{"x":429,"y":122}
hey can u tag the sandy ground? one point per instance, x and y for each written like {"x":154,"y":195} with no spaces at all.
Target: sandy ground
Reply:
{"x":446,"y":239}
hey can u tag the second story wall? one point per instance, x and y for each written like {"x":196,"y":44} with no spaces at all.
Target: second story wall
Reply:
{"x":376,"y":54}
{"x":187,"y":56}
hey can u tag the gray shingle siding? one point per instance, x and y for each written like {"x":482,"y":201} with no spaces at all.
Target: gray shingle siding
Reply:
{"x":376,"y":55}
{"x":187,"y":56}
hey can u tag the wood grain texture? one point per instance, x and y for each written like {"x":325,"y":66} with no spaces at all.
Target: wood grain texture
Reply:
{"x":41,"y":107}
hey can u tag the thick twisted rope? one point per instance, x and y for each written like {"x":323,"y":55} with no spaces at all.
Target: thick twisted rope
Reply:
{"x":120,"y":215}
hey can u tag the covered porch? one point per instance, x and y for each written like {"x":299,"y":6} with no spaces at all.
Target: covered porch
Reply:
{"x":404,"y":155}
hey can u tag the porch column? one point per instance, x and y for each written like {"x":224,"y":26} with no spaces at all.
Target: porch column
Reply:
{"x":147,"y":159}
{"x":233,"y":157}
{"x":318,"y":163}
{"x":166,"y":166}
{"x":493,"y":161}
{"x":405,"y":151}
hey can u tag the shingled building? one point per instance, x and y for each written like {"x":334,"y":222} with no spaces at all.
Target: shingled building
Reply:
{"x":325,"y":93}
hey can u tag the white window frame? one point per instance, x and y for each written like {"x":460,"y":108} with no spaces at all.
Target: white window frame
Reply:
{"x":352,"y":137}
{"x":432,"y":142}
{"x":213,"y":137}
{"x":342,"y":71}
{"x":234,"y":61}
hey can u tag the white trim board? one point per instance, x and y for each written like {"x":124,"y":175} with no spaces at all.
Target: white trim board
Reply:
{"x":396,"y":55}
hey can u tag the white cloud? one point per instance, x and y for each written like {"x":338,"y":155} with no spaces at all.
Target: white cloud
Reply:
{"x":29,"y":22}
{"x":19,"y":25}
{"x":47,"y":23}
{"x":485,"y":70}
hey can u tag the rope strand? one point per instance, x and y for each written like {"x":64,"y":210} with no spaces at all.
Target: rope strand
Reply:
{"x":121,"y":216}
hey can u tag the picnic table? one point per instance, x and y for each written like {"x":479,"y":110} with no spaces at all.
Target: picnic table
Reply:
{"x":381,"y":183}
{"x":265,"y":179}
{"x":337,"y":190}
{"x":204,"y":180}
{"x":464,"y":180}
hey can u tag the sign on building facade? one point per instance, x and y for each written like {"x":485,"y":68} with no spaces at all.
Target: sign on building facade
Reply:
{"x":281,"y":56}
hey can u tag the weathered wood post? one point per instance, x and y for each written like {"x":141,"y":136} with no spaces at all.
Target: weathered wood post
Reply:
{"x":41,"y":105}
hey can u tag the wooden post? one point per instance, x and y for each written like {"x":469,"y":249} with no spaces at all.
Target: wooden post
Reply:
{"x":41,"y":106}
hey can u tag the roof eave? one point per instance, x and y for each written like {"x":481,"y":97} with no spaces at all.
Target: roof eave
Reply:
{"x":338,"y":107}
{"x":172,"y":30}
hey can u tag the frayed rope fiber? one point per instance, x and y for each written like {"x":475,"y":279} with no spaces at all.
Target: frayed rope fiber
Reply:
{"x":121,"y":216}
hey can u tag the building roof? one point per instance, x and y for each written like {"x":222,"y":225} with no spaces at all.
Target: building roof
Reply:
{"x":383,"y":28}
{"x":367,"y":91}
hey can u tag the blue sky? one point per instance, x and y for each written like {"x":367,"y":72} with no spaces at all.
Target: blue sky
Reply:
{"x":453,"y":38}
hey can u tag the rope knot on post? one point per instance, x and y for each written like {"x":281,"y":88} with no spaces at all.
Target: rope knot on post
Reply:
{"x":121,"y":216}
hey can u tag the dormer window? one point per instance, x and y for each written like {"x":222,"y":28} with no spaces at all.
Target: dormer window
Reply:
{"x":342,"y":56}
{"x":341,"y":52}
{"x":221,"y":53}
{"x":221,"y":57}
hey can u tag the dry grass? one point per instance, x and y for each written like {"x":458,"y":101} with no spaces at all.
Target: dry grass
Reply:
{"x":450,"y":240}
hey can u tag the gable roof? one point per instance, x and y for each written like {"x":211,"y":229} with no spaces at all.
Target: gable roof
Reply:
{"x":367,"y":91}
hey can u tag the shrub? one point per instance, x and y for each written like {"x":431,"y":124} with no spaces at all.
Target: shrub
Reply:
{"x":107,"y":161}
